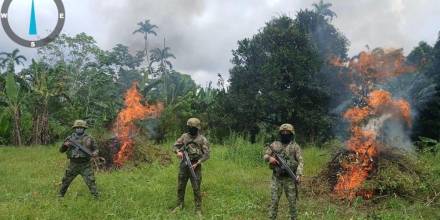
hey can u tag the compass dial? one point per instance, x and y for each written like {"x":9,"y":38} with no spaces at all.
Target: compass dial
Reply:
{"x":33,"y":38}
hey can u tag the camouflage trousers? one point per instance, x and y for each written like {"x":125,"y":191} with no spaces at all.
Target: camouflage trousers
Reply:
{"x":79,"y":168}
{"x":182,"y":180}
{"x":278,"y":185}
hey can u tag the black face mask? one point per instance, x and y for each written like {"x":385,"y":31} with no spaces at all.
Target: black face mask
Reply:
{"x":286,"y":138}
{"x":192,"y":130}
{"x":79,"y":131}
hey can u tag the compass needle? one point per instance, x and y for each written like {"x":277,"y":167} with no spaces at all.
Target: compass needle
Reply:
{"x":33,"y":23}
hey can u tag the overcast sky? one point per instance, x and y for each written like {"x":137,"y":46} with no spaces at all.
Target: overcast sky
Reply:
{"x":202,"y":33}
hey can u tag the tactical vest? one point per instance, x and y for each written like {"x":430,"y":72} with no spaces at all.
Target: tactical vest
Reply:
{"x":194,"y":147}
{"x":76,"y":153}
{"x":288,"y":154}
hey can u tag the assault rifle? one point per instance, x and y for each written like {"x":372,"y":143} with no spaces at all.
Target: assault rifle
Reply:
{"x":80,"y":147}
{"x":188,"y":164}
{"x":284,"y":166}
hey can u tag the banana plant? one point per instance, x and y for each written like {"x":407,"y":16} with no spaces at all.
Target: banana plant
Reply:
{"x":13,"y":97}
{"x":4,"y":126}
{"x":43,"y":88}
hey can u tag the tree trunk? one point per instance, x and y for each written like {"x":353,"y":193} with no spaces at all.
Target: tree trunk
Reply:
{"x":148,"y":61}
{"x":16,"y":133}
{"x":36,"y":127}
{"x":44,"y":125}
{"x":40,"y":125}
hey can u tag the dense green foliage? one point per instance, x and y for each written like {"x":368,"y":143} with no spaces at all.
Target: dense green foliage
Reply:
{"x":281,"y":74}
{"x":428,"y":59}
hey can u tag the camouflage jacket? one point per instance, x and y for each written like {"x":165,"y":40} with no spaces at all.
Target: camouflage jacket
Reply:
{"x":197,"y":147}
{"x":75,"y":153}
{"x":290,"y":152}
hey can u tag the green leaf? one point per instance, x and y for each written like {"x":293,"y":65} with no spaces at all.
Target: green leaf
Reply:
{"x":428,"y":140}
{"x":11,"y":88}
{"x":4,"y":122}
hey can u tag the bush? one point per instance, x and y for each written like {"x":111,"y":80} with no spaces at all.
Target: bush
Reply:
{"x":428,"y":145}
{"x":399,"y":174}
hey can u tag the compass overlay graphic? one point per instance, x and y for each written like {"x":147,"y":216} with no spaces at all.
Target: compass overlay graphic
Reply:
{"x":4,"y":16}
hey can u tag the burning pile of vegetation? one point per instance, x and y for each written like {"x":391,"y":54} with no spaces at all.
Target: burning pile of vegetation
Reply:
{"x":372,"y":162}
{"x":125,"y":127}
{"x":142,"y":152}
{"x":130,"y":142}
{"x":393,"y":172}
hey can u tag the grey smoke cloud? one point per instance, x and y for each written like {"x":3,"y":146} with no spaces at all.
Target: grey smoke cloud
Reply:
{"x":202,"y":33}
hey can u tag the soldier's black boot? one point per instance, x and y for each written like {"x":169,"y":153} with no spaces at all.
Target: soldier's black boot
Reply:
{"x":62,"y":191}
{"x":95,"y":195}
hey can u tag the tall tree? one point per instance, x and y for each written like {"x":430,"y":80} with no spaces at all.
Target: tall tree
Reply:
{"x":422,"y":55}
{"x":89,"y":81}
{"x":283,"y":66}
{"x":146,"y":28}
{"x":331,"y":44}
{"x":9,"y":60}
{"x":161,"y":57}
{"x":428,"y":123}
{"x":324,"y":9}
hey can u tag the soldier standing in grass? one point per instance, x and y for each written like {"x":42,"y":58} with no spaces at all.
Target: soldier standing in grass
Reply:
{"x":79,"y":160}
{"x":290,"y":151}
{"x":197,"y":147}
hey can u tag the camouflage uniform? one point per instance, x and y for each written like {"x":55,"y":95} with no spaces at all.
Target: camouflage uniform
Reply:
{"x":198,"y":151}
{"x":79,"y":163}
{"x":291,"y":153}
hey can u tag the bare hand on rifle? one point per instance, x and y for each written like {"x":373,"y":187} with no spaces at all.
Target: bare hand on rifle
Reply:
{"x":195,"y":165}
{"x":180,"y":155}
{"x":66,"y":143}
{"x":273,"y":161}
{"x":299,"y":179}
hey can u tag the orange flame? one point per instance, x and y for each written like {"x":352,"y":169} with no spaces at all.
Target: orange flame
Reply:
{"x":366,"y":69}
{"x":375,"y":66}
{"x":124,"y":128}
{"x":363,"y":140}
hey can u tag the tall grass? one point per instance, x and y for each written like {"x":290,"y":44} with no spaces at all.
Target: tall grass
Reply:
{"x":243,"y":152}
{"x":231,"y":189}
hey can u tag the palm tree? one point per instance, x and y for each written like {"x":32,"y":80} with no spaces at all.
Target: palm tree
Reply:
{"x":10,"y":59}
{"x":161,"y":57}
{"x":146,"y":28}
{"x":324,"y":9}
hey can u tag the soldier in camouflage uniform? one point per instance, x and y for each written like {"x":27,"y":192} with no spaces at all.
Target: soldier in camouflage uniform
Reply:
{"x":287,"y":148}
{"x":197,"y":147}
{"x":79,"y":161}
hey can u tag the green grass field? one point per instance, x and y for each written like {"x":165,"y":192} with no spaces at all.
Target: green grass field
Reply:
{"x":30,"y":178}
